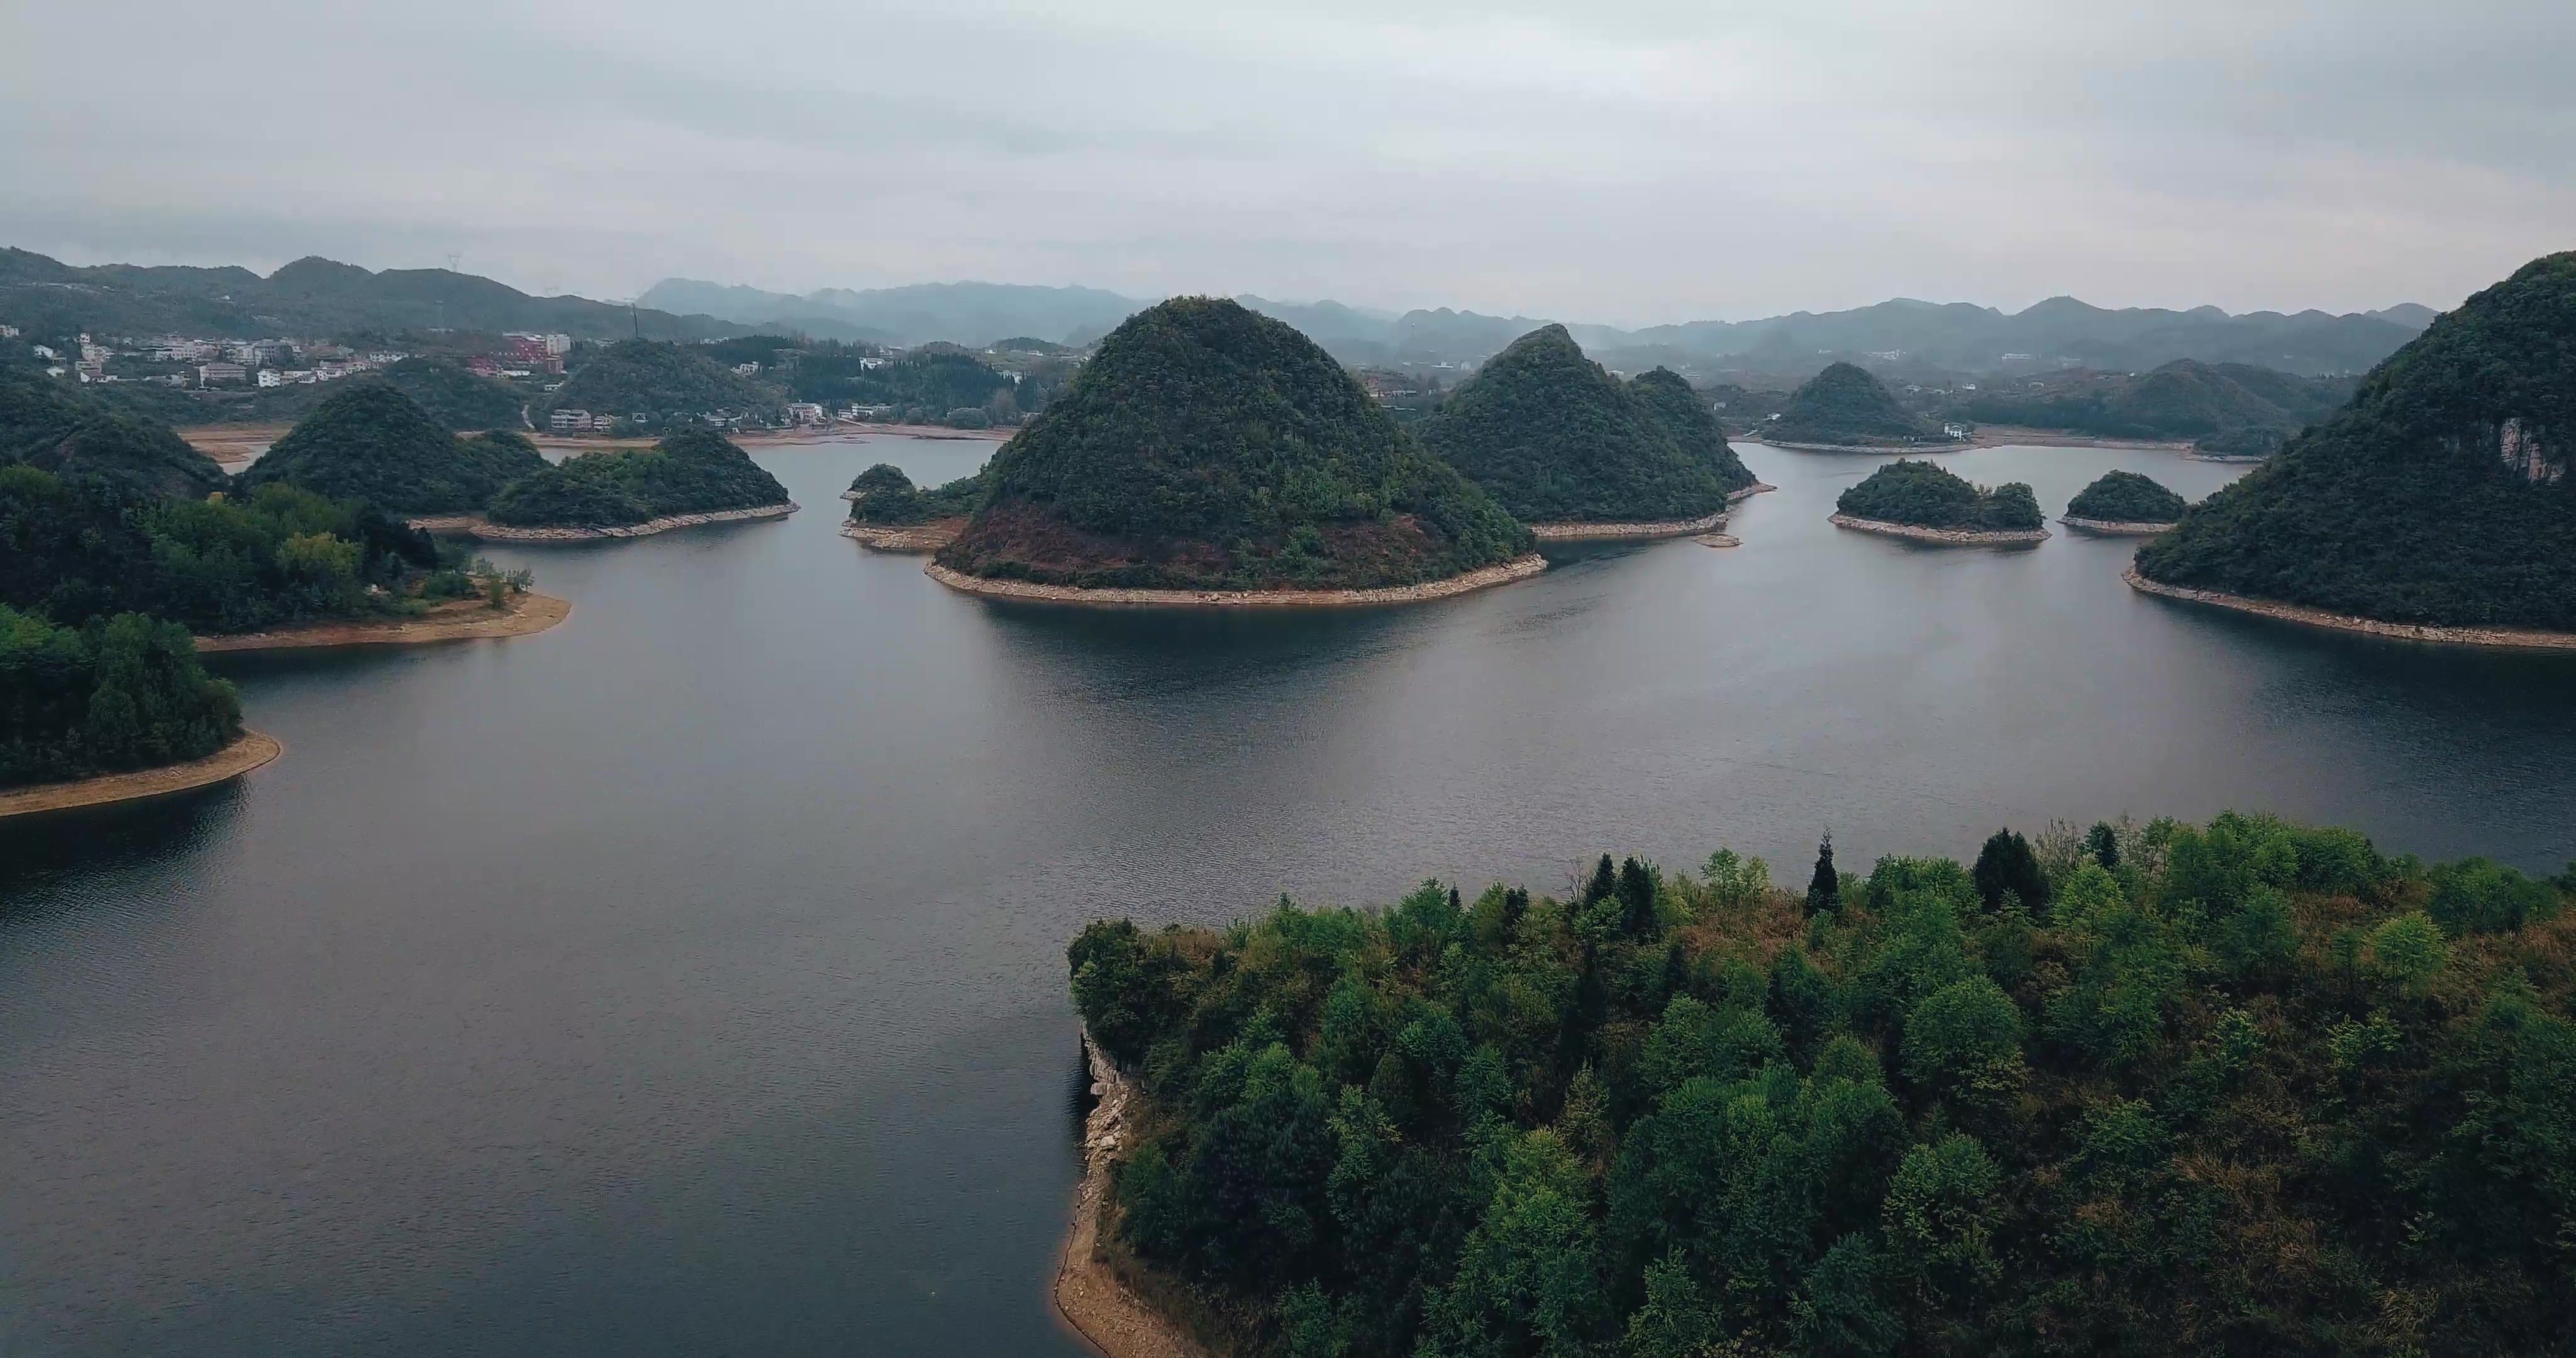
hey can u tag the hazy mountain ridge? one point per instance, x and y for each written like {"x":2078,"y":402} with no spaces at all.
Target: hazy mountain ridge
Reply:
{"x":1956,"y":335}
{"x":312,"y":296}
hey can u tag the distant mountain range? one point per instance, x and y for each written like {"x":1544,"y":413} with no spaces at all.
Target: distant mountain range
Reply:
{"x":310,"y":297}
{"x":1954,"y":336}
{"x":315,"y":296}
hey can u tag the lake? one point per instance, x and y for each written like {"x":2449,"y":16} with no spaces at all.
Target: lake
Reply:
{"x":689,"y":979}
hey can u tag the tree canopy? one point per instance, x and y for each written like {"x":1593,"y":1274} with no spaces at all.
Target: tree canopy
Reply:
{"x":2440,"y":494}
{"x":124,"y":692}
{"x":662,"y":380}
{"x":1554,"y":438}
{"x":696,"y":471}
{"x":2253,"y":1089}
{"x":1206,"y":446}
{"x":1845,"y":404}
{"x":370,"y":442}
{"x":883,"y":495}
{"x":1918,"y":493}
{"x":2126,"y":497}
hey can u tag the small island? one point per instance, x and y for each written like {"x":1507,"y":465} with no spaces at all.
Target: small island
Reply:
{"x":2124,"y":503}
{"x":1928,"y":1108}
{"x":1918,"y":500}
{"x":692,"y":478}
{"x":1574,"y":453}
{"x":891,"y":514}
{"x":1208,"y":455}
{"x":2436,"y":505}
{"x":1844,"y":409}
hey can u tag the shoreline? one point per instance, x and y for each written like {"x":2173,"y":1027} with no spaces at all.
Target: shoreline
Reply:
{"x":2505,"y":638}
{"x":484,"y":530}
{"x":2116,"y":527}
{"x":530,"y":614}
{"x":1519,"y":568}
{"x":911,"y":537}
{"x":251,"y":751}
{"x":1945,"y":446}
{"x":1087,"y":1293}
{"x":1652,"y":528}
{"x":1946,"y":537}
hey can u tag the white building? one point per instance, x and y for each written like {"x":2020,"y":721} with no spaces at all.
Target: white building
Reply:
{"x":805,"y":412}
{"x":208,"y":374}
{"x":269,"y":377}
{"x":567,"y":420}
{"x":558,"y":345}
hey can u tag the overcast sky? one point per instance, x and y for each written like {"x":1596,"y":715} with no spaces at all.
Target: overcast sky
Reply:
{"x":1625,"y":161}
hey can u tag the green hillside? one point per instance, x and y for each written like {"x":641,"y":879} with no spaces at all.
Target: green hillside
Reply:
{"x":45,"y":424}
{"x":1845,"y":404}
{"x":2126,"y":497}
{"x":2439,"y":494}
{"x":1205,"y":446}
{"x":694,"y":472}
{"x":1556,"y":439}
{"x":2248,"y":1088}
{"x":1685,"y":415}
{"x":2237,"y":404}
{"x":662,"y":380}
{"x":1925,"y":496}
{"x":370,"y":442}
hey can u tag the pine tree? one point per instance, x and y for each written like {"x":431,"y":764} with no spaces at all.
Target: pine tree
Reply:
{"x":1637,"y":897}
{"x":2006,"y":864}
{"x":1604,"y":883}
{"x":1825,"y":889}
{"x":2104,"y":844}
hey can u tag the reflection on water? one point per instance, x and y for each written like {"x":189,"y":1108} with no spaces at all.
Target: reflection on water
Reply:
{"x":690,"y":978}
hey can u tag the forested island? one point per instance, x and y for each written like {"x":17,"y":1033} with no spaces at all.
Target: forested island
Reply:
{"x":890,"y":513}
{"x":2437,"y":501}
{"x":370,"y":442}
{"x":695,"y":476}
{"x":1563,"y":445}
{"x":1918,"y":500}
{"x":2246,"y":1087}
{"x":2124,"y":502}
{"x":1846,"y":407}
{"x":1214,"y":455}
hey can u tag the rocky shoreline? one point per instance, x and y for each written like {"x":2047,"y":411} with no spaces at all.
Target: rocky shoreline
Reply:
{"x":1087,"y":1292}
{"x":2116,"y":527}
{"x":1597,"y":532}
{"x":251,"y":751}
{"x":476,"y":526}
{"x":914,"y":537}
{"x":1947,"y":537}
{"x":1519,"y":568}
{"x":2518,"y":638}
{"x":464,"y":620}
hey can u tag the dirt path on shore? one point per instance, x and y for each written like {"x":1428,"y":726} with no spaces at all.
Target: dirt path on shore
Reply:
{"x":1520,"y":568}
{"x":1945,"y":537}
{"x":459,"y":620}
{"x":1087,"y":1291}
{"x":224,"y":765}
{"x":2517,"y":638}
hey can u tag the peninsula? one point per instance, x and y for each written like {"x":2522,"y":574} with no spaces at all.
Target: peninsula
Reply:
{"x":692,"y":478}
{"x":1210,"y":455}
{"x":1570,"y":450}
{"x":889,"y":513}
{"x":2124,"y":503}
{"x":2437,"y":500}
{"x":1918,"y":500}
{"x":1936,"y":1107}
{"x":112,"y":712}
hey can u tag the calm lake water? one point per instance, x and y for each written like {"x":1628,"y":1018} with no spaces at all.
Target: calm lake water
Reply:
{"x":690,"y":979}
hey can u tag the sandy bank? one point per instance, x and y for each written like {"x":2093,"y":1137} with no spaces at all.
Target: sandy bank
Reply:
{"x":2116,"y":527}
{"x":478,"y":527}
{"x":232,"y":442}
{"x":1717,"y":540}
{"x":1882,"y":449}
{"x":224,"y":765}
{"x":1595,"y":532}
{"x":1947,"y":537}
{"x":915,"y":537}
{"x":1520,"y":568}
{"x":456,"y":620}
{"x":1088,"y":1293}
{"x":2519,"y":638}
{"x":1749,"y":491}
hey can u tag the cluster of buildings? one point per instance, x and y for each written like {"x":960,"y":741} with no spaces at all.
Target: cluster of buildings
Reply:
{"x":523,"y":354}
{"x":180,"y":361}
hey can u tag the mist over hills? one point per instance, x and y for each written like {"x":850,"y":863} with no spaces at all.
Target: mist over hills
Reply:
{"x":2061,"y":331}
